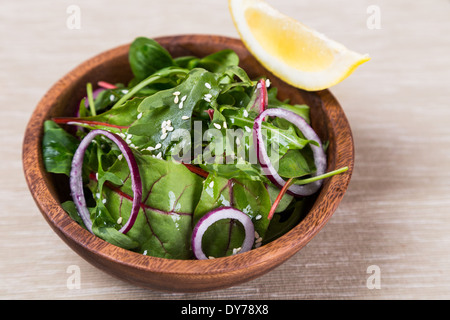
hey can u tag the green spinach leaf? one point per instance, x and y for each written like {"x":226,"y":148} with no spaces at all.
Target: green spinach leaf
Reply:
{"x":58,"y":148}
{"x":146,"y":56}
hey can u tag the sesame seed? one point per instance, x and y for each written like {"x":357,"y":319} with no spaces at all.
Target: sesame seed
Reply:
{"x":258,"y":217}
{"x":111,"y":97}
{"x":133,"y":145}
{"x":211,"y":257}
{"x":104,"y":201}
{"x":139,"y":115}
{"x":180,"y":105}
{"x":256,"y":234}
{"x":184,"y":117}
{"x":125,"y":91}
{"x":259,"y":240}
{"x":258,"y":244}
{"x":217,"y":126}
{"x":207,"y":85}
{"x":159,"y":155}
{"x":207,"y":97}
{"x":267,"y":83}
{"x":119,"y":221}
{"x":176,"y":93}
{"x":120,"y":156}
{"x":164,"y":135}
{"x":157,"y":146}
{"x":245,"y":113}
{"x":170,"y":129}
{"x":164,"y":130}
{"x":248,"y":129}
{"x":183,"y":98}
{"x":97,"y":195}
{"x":224,"y":124}
{"x":175,"y":100}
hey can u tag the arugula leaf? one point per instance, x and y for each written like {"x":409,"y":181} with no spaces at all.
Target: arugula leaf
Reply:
{"x":71,"y":209}
{"x":165,"y":105}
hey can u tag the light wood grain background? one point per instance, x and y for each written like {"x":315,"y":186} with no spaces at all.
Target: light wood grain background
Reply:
{"x":396,"y":214}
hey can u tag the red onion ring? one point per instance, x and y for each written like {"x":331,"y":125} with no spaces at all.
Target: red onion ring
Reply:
{"x":95,"y":94}
{"x":76,"y":180}
{"x":320,"y":159}
{"x":262,"y":98}
{"x":219,"y":214}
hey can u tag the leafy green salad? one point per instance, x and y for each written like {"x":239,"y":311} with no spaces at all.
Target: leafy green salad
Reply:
{"x":191,"y":159}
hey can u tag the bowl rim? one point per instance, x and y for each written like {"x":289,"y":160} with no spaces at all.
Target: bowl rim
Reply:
{"x":279,"y":249}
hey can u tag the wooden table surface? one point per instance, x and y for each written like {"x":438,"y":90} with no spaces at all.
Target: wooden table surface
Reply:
{"x":394,"y":221}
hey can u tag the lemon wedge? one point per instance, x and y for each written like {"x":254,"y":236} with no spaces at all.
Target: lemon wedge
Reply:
{"x":290,"y":50}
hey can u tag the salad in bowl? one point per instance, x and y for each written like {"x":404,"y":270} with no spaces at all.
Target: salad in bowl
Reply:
{"x":191,"y":159}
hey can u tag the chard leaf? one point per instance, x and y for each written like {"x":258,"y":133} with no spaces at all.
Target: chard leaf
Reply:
{"x":251,"y":197}
{"x":170,"y":194}
{"x":116,"y":120}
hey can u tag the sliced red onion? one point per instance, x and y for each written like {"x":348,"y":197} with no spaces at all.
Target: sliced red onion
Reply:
{"x":76,"y":180}
{"x":261,"y":99}
{"x":219,"y":214}
{"x":95,"y":94}
{"x":320,"y":159}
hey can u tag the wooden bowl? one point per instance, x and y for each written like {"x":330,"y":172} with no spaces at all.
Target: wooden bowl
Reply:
{"x":48,"y":191}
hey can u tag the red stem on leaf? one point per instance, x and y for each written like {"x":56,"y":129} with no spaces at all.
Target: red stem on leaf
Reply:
{"x":106,"y":85}
{"x":78,"y":121}
{"x":210,"y":113}
{"x":196,"y":170}
{"x":279,"y":197}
